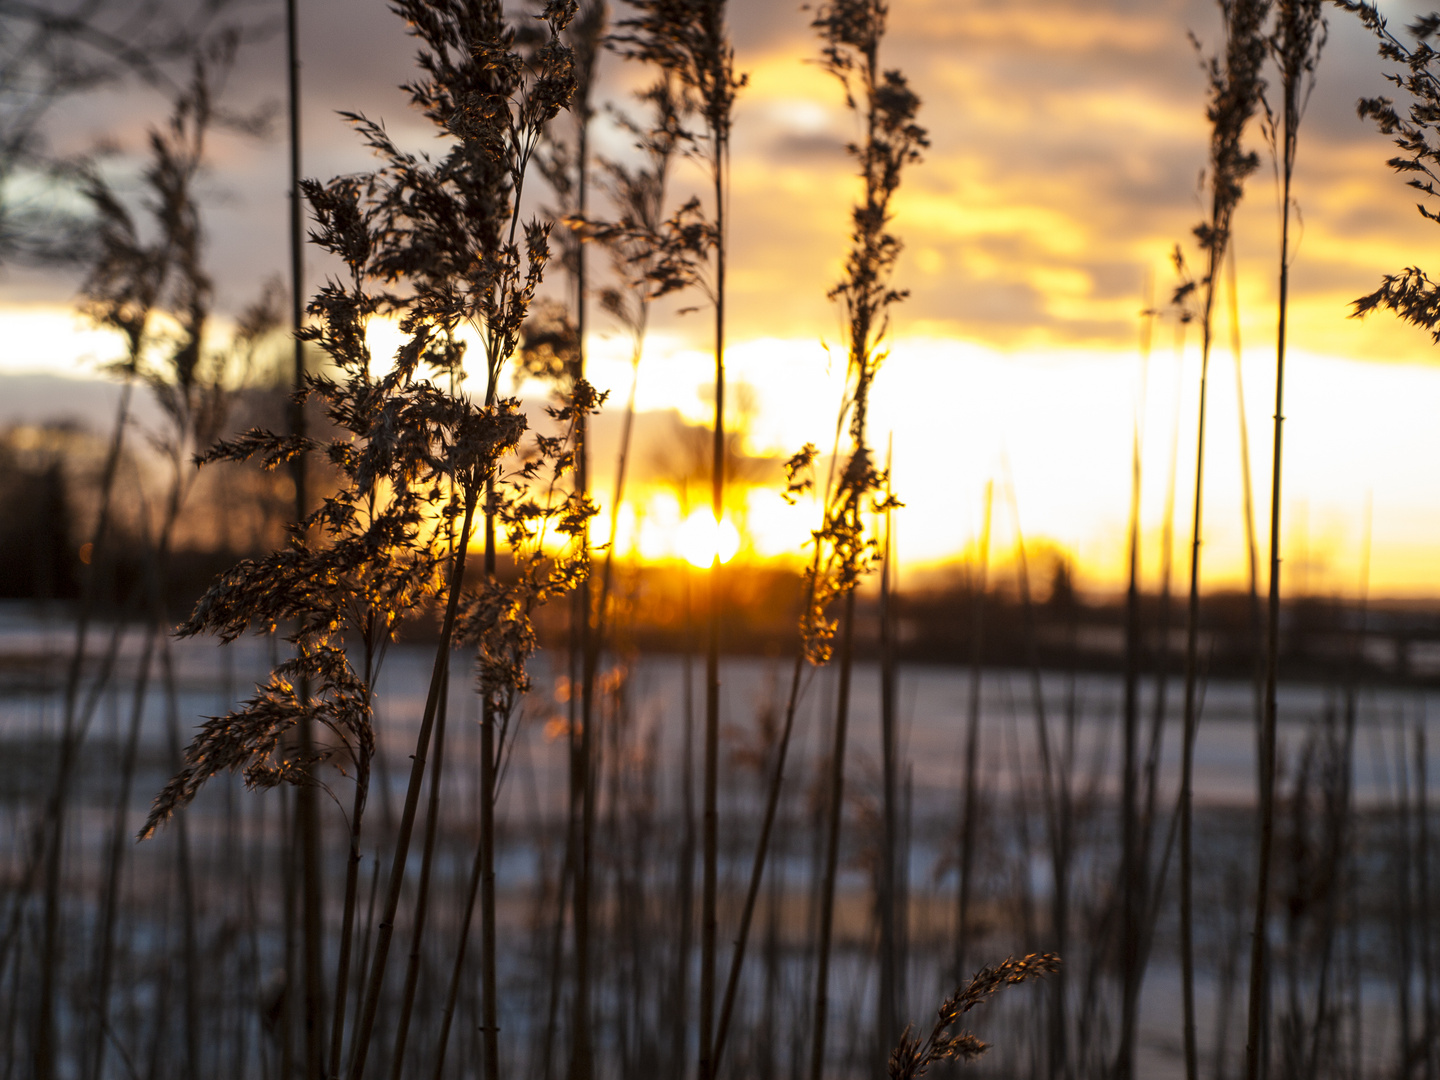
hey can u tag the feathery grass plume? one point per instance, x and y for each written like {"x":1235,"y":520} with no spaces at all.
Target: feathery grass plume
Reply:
{"x":1236,"y":84}
{"x":132,"y":284}
{"x":851,"y":31}
{"x":689,"y":41}
{"x":648,"y":254}
{"x":1295,"y":43}
{"x":50,"y":53}
{"x":459,"y":223}
{"x":1410,"y":294}
{"x":369,"y":554}
{"x":913,"y":1056}
{"x":441,"y":237}
{"x":533,"y":505}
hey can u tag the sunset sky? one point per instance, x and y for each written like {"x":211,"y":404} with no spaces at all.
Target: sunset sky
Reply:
{"x":1068,"y":137}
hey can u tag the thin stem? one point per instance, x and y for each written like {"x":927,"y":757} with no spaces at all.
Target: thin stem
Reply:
{"x":347,"y":928}
{"x":835,"y":794}
{"x":386,"y":930}
{"x":1259,"y":948}
{"x":1133,"y":871}
{"x":710,"y":814}
{"x":422,"y":894}
{"x":1191,"y":715}
{"x":589,"y":644}
{"x":892,"y":967}
{"x":757,"y":869}
{"x":970,"y":810}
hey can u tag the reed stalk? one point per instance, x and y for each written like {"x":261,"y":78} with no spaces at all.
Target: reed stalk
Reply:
{"x":1410,"y":294}
{"x":1342,"y":815}
{"x":1423,"y":901}
{"x":49,"y":53}
{"x":1247,"y":500}
{"x":570,"y":178}
{"x":893,"y":916}
{"x":422,"y":888}
{"x":189,"y":389}
{"x":119,"y":835}
{"x":550,"y":1035}
{"x":1052,"y":781}
{"x":1162,"y":674}
{"x":130,"y":281}
{"x":685,"y":862}
{"x":335,"y":1063}
{"x":689,"y":41}
{"x":885,"y":106}
{"x":386,"y":926}
{"x":762,"y":849}
{"x":834,"y":803}
{"x":1299,"y":36}
{"x":308,"y":816}
{"x":970,"y":791}
{"x":185,"y":885}
{"x":1133,"y":872}
{"x":1235,"y":87}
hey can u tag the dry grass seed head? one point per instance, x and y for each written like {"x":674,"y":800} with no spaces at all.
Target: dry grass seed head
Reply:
{"x":1411,"y":294}
{"x":912,"y":1057}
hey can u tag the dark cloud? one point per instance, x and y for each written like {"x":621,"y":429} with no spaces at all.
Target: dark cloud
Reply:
{"x":822,"y":148}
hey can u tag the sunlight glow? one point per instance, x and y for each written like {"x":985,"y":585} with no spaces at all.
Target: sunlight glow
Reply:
{"x":701,"y":540}
{"x":1056,"y":421}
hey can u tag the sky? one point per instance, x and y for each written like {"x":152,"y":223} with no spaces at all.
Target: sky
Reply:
{"x":1067,"y":142}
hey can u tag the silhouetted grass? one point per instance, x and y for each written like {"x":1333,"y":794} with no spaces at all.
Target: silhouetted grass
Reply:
{"x":564,"y":810}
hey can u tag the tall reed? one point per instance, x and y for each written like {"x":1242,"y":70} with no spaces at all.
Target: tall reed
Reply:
{"x":1235,"y":87}
{"x":421,"y":459}
{"x":1133,"y":871}
{"x":307,"y":810}
{"x":566,"y":167}
{"x":1054,"y":788}
{"x":851,"y":32}
{"x":1296,"y":42}
{"x":970,"y":784}
{"x":133,"y":285}
{"x":689,"y":40}
{"x":893,"y":871}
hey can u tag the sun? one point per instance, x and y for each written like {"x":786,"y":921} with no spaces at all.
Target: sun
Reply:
{"x":701,"y":540}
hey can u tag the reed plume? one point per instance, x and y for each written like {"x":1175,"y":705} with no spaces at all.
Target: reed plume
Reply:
{"x":1296,"y":42}
{"x":1411,"y":294}
{"x":913,"y":1056}
{"x":1235,"y":88}
{"x":851,"y":32}
{"x":689,"y":40}
{"x":135,"y":286}
{"x":416,"y":462}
